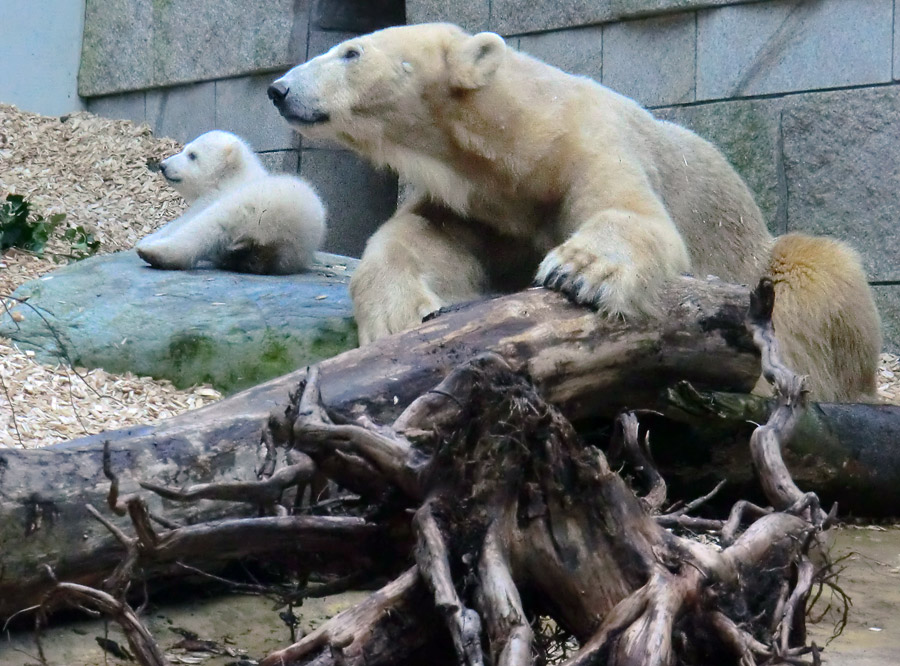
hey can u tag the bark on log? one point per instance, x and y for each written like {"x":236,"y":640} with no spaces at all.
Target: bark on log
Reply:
{"x":845,"y":453}
{"x":586,"y":364}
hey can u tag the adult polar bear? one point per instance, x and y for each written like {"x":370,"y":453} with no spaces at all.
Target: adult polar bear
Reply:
{"x":241,"y":217}
{"x":520,"y":169}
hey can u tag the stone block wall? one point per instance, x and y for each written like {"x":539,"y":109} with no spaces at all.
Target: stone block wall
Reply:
{"x":189,"y":66}
{"x":801,"y":95}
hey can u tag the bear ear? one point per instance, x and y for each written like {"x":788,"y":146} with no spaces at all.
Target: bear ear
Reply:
{"x":229,"y":153}
{"x":474,"y":60}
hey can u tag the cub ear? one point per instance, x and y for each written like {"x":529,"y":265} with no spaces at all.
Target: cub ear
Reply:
{"x":475,"y":60}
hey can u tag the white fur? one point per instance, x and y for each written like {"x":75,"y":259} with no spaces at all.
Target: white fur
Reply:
{"x":241,"y":217}
{"x":519,"y":170}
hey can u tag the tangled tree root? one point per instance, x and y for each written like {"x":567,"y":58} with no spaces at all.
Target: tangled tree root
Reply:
{"x":517,"y":518}
{"x":514,"y":518}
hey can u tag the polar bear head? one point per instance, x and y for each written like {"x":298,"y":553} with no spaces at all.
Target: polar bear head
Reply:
{"x":211,"y":163}
{"x":389,"y":88}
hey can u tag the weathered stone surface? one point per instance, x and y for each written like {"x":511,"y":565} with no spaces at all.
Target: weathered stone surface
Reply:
{"x":137,"y":44}
{"x":281,"y":161}
{"x":772,"y":47}
{"x":242,"y":107}
{"x":321,"y":41}
{"x":232,"y":330}
{"x":896,"y":70}
{"x":472,"y":15}
{"x":577,"y":51}
{"x":359,"y":198}
{"x":182,"y":112}
{"x":517,"y":16}
{"x":127,"y":106}
{"x":842,"y":168}
{"x":651,"y":60}
{"x":358,"y":15}
{"x":40,"y":51}
{"x":887,"y":297}
{"x":747,"y":132}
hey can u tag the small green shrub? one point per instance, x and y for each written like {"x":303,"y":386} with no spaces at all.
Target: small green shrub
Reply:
{"x":18,"y":228}
{"x":83,"y":243}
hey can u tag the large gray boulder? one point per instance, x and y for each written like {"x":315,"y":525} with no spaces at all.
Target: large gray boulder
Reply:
{"x":231,"y":330}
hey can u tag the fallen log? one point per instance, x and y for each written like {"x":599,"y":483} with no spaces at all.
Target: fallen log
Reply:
{"x":516,"y":522}
{"x":587,"y":365}
{"x":845,"y":453}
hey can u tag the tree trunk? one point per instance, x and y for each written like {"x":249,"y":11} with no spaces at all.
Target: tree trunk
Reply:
{"x":589,"y":365}
{"x":514,"y":519}
{"x":845,"y":453}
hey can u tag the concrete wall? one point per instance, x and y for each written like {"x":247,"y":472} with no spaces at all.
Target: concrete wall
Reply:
{"x":801,"y":95}
{"x":40,"y":48}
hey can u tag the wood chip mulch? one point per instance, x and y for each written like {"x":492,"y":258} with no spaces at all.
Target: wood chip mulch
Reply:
{"x":95,"y":171}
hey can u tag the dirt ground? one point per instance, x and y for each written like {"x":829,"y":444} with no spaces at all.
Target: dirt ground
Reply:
{"x":872,"y":580}
{"x":250,"y":626}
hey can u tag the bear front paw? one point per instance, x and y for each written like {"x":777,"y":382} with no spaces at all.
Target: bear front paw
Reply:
{"x":605,"y":280}
{"x":381,"y":314}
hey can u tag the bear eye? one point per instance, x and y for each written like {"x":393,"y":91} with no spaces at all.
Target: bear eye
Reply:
{"x":192,"y":156}
{"x":352,"y":53}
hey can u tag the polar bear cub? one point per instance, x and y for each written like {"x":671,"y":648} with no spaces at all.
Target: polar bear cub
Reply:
{"x":240,"y":218}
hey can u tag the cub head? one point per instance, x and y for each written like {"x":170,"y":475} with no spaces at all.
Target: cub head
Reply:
{"x":388,"y":87}
{"x":207,"y":164}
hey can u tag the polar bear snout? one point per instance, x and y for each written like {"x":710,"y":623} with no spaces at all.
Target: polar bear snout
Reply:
{"x":166,"y":171}
{"x":277,"y":92}
{"x":295,"y":101}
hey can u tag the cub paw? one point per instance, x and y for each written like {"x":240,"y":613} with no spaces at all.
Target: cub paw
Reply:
{"x":150,"y":254}
{"x":607,"y":280}
{"x":159,"y":255}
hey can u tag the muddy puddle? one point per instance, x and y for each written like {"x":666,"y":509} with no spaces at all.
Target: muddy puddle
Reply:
{"x":249,"y":627}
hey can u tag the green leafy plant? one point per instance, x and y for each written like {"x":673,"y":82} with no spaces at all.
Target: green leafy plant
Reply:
{"x":83,"y":243}
{"x":17,"y":230}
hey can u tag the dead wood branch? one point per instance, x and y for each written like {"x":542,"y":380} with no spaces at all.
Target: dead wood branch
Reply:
{"x":143,"y":646}
{"x":511,"y":488}
{"x":585,"y":364}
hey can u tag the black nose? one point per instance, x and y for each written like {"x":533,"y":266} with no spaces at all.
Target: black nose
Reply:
{"x":162,"y":168}
{"x":277,"y":92}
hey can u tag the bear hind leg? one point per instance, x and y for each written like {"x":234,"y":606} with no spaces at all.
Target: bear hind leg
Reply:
{"x":247,"y":255}
{"x":825,"y":319}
